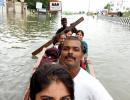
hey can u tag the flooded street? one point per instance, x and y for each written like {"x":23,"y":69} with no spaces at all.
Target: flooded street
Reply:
{"x":108,"y":43}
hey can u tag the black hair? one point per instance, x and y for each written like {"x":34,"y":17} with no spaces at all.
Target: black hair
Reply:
{"x":47,"y":73}
{"x":64,"y":19}
{"x":84,"y":47}
{"x":72,"y":38}
{"x":52,"y":52}
{"x":56,"y":38}
{"x":67,"y":30}
{"x":80,"y":31}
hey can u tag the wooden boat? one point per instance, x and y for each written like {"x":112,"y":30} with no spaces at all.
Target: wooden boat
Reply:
{"x":72,"y":25}
{"x":39,"y":56}
{"x":89,"y":69}
{"x":39,"y":53}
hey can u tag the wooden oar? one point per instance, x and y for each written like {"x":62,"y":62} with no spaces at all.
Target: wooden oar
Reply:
{"x":51,"y":41}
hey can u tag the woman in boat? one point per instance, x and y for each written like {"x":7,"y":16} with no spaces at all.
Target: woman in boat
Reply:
{"x":80,"y":35}
{"x":58,"y":39}
{"x":52,"y":54}
{"x":68,"y":32}
{"x":51,"y":82}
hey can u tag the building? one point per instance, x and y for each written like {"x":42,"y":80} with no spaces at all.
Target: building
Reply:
{"x":120,"y":5}
{"x":12,"y":6}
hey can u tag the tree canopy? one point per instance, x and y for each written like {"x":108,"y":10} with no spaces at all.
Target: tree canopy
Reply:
{"x":109,"y":6}
{"x":32,"y":3}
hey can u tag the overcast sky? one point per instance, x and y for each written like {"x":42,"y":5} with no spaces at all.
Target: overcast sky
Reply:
{"x":79,"y":5}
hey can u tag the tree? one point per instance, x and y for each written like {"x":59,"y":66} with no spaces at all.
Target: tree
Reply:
{"x":109,"y":6}
{"x":32,"y":3}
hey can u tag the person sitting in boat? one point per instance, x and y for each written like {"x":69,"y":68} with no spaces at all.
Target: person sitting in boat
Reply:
{"x":51,"y":82}
{"x":64,"y":26}
{"x":86,"y":86}
{"x":52,"y":54}
{"x":68,"y":32}
{"x":58,"y":39}
{"x":80,"y":35}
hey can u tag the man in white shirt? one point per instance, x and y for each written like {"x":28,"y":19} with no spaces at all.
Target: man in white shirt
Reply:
{"x":87,"y":87}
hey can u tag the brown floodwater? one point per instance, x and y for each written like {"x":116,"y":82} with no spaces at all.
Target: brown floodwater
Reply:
{"x":108,"y":43}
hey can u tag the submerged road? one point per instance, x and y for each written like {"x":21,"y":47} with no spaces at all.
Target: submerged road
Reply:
{"x":109,"y":46}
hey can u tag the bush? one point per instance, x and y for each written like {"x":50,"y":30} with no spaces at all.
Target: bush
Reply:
{"x":126,"y":14}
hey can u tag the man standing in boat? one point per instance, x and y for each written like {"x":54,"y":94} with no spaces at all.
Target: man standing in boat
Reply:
{"x":64,"y":26}
{"x":86,"y":86}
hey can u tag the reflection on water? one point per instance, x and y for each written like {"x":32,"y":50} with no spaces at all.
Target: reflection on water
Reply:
{"x":108,"y":43}
{"x":18,"y":38}
{"x":109,"y":48}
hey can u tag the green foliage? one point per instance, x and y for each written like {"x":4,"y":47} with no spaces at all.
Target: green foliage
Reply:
{"x":108,"y":6}
{"x":32,"y":3}
{"x":126,"y":14}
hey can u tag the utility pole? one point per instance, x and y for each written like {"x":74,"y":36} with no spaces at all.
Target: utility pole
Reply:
{"x":22,"y":6}
{"x":13,"y":1}
{"x":88,"y":6}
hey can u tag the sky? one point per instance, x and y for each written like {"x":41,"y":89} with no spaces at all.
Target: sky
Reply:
{"x":83,"y":5}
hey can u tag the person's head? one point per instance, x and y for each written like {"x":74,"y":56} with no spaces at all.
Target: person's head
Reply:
{"x":80,"y":34}
{"x":61,"y":38}
{"x":71,"y":53}
{"x":64,"y":22}
{"x":51,"y":55}
{"x":68,"y":32}
{"x":51,"y":82}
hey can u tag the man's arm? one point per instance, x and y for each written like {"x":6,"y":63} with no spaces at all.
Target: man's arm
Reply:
{"x":74,"y":30}
{"x":59,"y":30}
{"x":51,"y":41}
